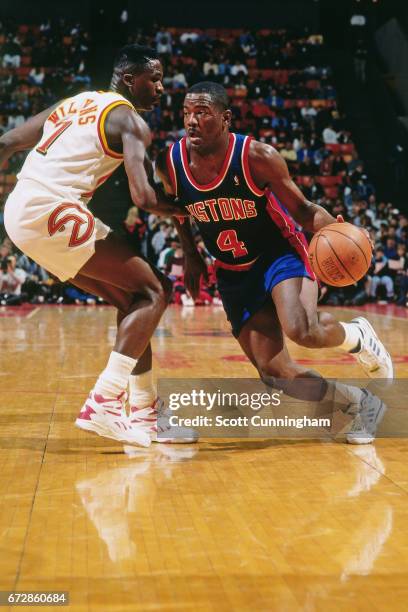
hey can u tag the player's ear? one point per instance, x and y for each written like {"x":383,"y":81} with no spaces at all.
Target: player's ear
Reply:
{"x":127,"y":79}
{"x":227,"y":116}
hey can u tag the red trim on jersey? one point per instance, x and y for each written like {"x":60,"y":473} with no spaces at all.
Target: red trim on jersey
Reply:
{"x":234,"y":267}
{"x":99,"y":182}
{"x":173,"y":177}
{"x":171,"y":169}
{"x":247,"y":172}
{"x":221,"y":176}
{"x":287,"y":227}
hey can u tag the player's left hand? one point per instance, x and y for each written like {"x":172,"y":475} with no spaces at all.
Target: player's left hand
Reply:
{"x":340,"y":219}
{"x":194,"y":268}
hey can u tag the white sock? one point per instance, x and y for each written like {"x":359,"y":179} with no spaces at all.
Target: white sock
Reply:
{"x":343,"y":394}
{"x":142,"y":389}
{"x":114,"y":379}
{"x":353,"y":336}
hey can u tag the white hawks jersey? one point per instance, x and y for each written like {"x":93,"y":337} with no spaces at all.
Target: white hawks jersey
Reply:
{"x":73,"y":157}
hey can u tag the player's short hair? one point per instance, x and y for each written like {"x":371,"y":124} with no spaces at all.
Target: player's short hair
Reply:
{"x":216,"y":91}
{"x":134,"y":58}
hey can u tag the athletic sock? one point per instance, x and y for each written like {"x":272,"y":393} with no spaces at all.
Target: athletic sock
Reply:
{"x":352,"y":341}
{"x":114,"y":379}
{"x":142,"y":389}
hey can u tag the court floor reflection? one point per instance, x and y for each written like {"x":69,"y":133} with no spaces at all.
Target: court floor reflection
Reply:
{"x":112,"y":497}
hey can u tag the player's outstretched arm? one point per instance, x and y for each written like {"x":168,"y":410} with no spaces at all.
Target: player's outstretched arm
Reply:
{"x":194,"y":266}
{"x":25,"y":136}
{"x":127,"y":126}
{"x":183,"y":226}
{"x":269,"y":170}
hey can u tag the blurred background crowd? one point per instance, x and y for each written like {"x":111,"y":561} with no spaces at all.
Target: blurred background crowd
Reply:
{"x":282,"y":91}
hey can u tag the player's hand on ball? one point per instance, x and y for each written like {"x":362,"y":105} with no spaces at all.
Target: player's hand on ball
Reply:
{"x":194,"y":268}
{"x":340,"y":219}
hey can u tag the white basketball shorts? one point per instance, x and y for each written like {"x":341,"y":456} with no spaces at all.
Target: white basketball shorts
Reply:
{"x":58,"y":234}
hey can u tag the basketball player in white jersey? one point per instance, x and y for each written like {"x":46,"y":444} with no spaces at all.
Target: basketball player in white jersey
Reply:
{"x":76,"y":145}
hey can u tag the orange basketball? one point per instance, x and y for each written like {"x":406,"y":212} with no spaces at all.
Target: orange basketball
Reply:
{"x":340,"y":254}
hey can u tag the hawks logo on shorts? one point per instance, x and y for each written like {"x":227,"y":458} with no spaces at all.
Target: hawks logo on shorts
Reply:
{"x":83,"y":223}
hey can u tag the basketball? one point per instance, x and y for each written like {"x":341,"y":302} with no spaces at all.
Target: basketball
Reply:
{"x":340,"y":254}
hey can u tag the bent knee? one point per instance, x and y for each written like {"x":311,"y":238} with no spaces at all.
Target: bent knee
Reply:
{"x":302,"y":334}
{"x":270,"y":371}
{"x":158,"y":294}
{"x":155,"y":294}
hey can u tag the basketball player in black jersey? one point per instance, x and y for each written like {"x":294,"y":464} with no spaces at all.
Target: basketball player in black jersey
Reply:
{"x":249,"y":211}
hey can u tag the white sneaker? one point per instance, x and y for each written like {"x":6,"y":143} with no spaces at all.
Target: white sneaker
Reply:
{"x":154,"y":421}
{"x":107,"y":417}
{"x":369,"y":414}
{"x":373,"y":357}
{"x":186,"y":300}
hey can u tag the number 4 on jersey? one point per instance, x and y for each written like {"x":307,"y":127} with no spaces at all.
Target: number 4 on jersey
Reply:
{"x":228,"y":241}
{"x":43,"y":148}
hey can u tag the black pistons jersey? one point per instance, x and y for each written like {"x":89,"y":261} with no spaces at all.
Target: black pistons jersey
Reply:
{"x":237,"y":221}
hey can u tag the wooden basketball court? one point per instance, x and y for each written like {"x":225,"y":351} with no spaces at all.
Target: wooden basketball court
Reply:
{"x":222,"y":525}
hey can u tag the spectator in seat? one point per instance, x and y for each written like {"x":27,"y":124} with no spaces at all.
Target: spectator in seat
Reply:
{"x":308,"y":113}
{"x":169,"y":248}
{"x":288,"y":152}
{"x":314,"y":191}
{"x":330,"y":296}
{"x":175,"y":263}
{"x":36,"y":284}
{"x":224,"y":68}
{"x":11,"y":53}
{"x":390,"y":250}
{"x":357,"y":175}
{"x":134,"y":226}
{"x":260,"y":108}
{"x":274,"y":100}
{"x":179,"y":80}
{"x":303,"y":151}
{"x":247,"y":42}
{"x":355,"y":295}
{"x":381,"y":275}
{"x":339,"y":165}
{"x":36,"y":76}
{"x":160,"y":237}
{"x":238,"y":69}
{"x":163,"y":42}
{"x":5,"y":250}
{"x":210,"y":67}
{"x":279,"y":122}
{"x":329,"y":135}
{"x":402,"y":274}
{"x":354,"y":162}
{"x":73,"y":295}
{"x":326,"y":165}
{"x":307,"y":168}
{"x":315,"y":142}
{"x":402,"y":226}
{"x":191,"y":37}
{"x":11,"y":281}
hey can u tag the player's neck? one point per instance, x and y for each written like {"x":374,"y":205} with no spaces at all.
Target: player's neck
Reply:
{"x":117,"y":86}
{"x":215,"y":151}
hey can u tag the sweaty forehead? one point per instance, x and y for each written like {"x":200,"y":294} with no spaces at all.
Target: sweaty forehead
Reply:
{"x":198,"y":99}
{"x":153,"y":67}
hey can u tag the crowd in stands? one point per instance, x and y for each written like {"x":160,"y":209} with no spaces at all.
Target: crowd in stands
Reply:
{"x":281,"y":91}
